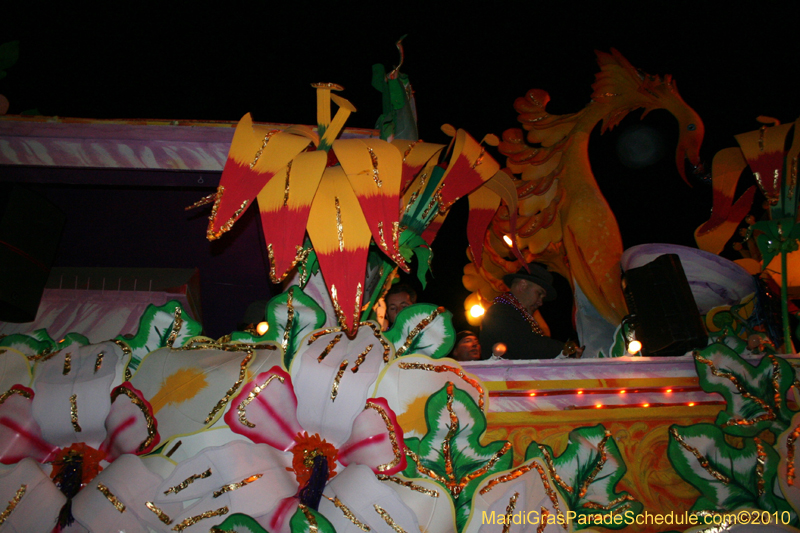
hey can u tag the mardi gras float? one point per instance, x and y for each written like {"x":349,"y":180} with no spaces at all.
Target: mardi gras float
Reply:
{"x":326,"y":423}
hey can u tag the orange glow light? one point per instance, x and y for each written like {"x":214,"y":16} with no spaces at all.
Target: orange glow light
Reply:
{"x":646,"y":405}
{"x":691,"y":404}
{"x":622,"y":392}
{"x":580,"y":392}
{"x":533,"y":394}
{"x":599,"y":405}
{"x":507,"y":240}
{"x":669,"y":390}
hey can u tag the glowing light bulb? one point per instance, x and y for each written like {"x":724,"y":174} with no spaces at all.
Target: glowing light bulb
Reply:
{"x":691,"y":404}
{"x":533,"y":394}
{"x":580,"y":392}
{"x":622,"y":392}
{"x":634,"y":347}
{"x":646,"y":405}
{"x":507,"y":240}
{"x":262,"y":328}
{"x":669,"y":390}
{"x":476,"y":310}
{"x":599,"y":405}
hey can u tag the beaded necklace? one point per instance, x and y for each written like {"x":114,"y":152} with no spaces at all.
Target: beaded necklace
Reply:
{"x":509,"y":299}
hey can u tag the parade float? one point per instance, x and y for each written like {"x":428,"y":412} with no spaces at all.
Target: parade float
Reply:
{"x":327,"y":423}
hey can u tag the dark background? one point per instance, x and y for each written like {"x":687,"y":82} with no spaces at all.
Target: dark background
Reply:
{"x":467,"y":61}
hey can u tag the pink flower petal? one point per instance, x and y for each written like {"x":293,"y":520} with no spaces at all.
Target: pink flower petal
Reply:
{"x":130,"y":425}
{"x":279,"y":519}
{"x":265,"y":410}
{"x":376,"y":440}
{"x":20,"y":435}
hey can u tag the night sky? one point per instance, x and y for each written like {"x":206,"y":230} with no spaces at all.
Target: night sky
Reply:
{"x":467,"y":61}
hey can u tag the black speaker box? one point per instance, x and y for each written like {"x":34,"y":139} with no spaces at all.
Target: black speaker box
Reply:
{"x":666,"y":319}
{"x":30,"y":231}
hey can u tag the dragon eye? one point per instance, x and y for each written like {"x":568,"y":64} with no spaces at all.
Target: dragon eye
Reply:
{"x":691,"y":127}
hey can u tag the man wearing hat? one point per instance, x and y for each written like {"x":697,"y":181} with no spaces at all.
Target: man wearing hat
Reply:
{"x":509,"y":321}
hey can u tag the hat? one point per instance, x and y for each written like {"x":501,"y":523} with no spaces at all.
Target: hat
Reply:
{"x":461,"y":335}
{"x":536,"y":273}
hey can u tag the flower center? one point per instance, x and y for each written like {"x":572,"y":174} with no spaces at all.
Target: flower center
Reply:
{"x":306,"y":449}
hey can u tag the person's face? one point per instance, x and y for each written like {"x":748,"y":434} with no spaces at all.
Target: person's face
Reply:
{"x":467,"y":349}
{"x":396,"y":303}
{"x":531,"y":295}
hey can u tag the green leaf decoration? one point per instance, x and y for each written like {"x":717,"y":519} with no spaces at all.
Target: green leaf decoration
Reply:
{"x":451,"y":453}
{"x":307,"y":520}
{"x":423,"y":329}
{"x":754,"y":396}
{"x":292,"y":315}
{"x":159,"y":327}
{"x":239,"y":523}
{"x":411,"y":244}
{"x":727,"y":477}
{"x":618,"y":349}
{"x":28,"y":344}
{"x":587,"y":473}
{"x":72,"y":338}
{"x":779,"y":236}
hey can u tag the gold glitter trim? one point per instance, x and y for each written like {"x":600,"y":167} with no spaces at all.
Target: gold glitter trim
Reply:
{"x":202,"y":201}
{"x":417,"y":329}
{"x":790,"y":441}
{"x":159,"y":513}
{"x":176,"y":327}
{"x":769,"y":415}
{"x":381,"y":237}
{"x":512,"y":504}
{"x":337,"y":308}
{"x":377,"y":333}
{"x":392,"y":437}
{"x":126,"y":350}
{"x":700,"y":457}
{"x":236,"y":384}
{"x":339,"y":374}
{"x":312,"y":521}
{"x":361,"y":358}
{"x":409,"y":485}
{"x":118,"y":505}
{"x":451,"y":432}
{"x":760,"y":463}
{"x":188,"y":481}
{"x":267,"y":137}
{"x":98,"y":362}
{"x":252,"y":396}
{"x":67,"y":363}
{"x":73,"y":413}
{"x":233,"y":486}
{"x":447,"y":368}
{"x":321,"y":333}
{"x":479,"y":159}
{"x":375,"y":175}
{"x":357,"y":310}
{"x":349,"y":514}
{"x":551,"y":467}
{"x":517,"y":472}
{"x":25,"y":394}
{"x":13,"y":503}
{"x":612,"y":503}
{"x":289,"y":319}
{"x":286,"y":185}
{"x":388,"y":519}
{"x":328,"y":348}
{"x":192,"y":520}
{"x":339,"y":227}
{"x":543,"y":516}
{"x":408,"y":150}
{"x":138,"y":402}
{"x":601,"y":447}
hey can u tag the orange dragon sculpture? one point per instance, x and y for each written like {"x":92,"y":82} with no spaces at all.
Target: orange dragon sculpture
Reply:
{"x":564,"y":221}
